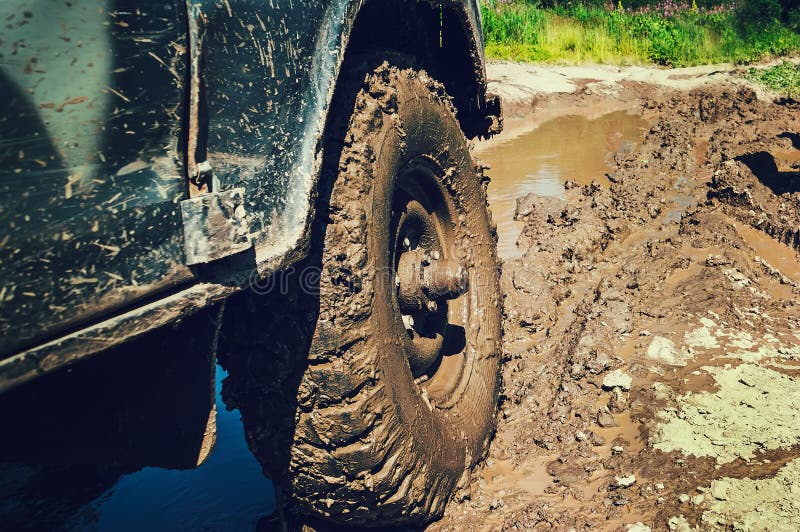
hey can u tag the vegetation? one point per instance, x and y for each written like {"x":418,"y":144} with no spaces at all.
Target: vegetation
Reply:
{"x":783,"y":78}
{"x":641,"y":31}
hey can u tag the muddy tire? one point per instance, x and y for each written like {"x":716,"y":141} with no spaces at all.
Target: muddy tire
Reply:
{"x":396,"y":399}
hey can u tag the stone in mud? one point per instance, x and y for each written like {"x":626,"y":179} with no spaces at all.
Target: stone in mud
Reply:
{"x":618,"y":402}
{"x":567,"y":473}
{"x":496,"y":503}
{"x":701,"y":337}
{"x":624,"y":481}
{"x":663,"y":350}
{"x":617,"y":379}
{"x":605,"y":419}
{"x":534,"y":208}
{"x":679,"y":524}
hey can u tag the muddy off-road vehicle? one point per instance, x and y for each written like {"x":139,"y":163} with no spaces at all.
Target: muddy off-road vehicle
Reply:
{"x":295,"y":172}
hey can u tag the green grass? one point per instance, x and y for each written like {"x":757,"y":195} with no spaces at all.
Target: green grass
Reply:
{"x":577,"y":34}
{"x":783,"y":78}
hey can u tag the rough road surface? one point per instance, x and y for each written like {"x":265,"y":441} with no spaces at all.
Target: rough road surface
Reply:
{"x":652,"y":332}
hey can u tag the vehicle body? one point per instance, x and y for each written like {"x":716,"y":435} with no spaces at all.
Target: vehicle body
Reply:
{"x":159,"y":157}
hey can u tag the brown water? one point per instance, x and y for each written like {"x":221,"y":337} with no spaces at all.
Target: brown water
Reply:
{"x":776,"y":254}
{"x":540,"y":161}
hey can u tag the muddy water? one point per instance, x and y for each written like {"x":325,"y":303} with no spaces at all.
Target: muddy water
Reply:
{"x":776,"y":254}
{"x":566,"y":148}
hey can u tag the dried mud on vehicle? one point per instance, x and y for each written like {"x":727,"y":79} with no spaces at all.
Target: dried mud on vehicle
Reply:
{"x":651,"y":341}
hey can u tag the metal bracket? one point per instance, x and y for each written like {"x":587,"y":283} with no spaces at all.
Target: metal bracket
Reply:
{"x":214,"y":226}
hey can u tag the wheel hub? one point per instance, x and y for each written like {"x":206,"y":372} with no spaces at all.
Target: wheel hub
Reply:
{"x":425,"y":279}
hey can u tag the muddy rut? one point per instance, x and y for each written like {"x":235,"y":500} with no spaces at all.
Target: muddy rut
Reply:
{"x":652,"y":343}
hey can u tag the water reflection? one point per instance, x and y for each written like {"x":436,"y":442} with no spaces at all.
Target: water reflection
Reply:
{"x":80,"y":447}
{"x":566,"y":148}
{"x":227,"y":492}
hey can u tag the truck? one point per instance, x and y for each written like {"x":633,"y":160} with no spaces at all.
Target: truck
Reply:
{"x":283,"y":186}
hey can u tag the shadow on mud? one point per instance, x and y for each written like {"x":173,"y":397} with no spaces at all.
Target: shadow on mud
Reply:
{"x":764,"y":167}
{"x":793,"y":137}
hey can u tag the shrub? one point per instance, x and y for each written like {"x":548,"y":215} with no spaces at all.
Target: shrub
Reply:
{"x":759,"y":16}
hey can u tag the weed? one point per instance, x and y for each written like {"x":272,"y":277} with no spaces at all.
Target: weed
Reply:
{"x":669,"y":33}
{"x":783,"y":78}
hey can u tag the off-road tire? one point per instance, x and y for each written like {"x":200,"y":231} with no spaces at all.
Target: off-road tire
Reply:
{"x":370,"y":444}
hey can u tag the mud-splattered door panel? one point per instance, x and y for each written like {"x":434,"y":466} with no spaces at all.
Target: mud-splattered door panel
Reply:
{"x":91,"y":97}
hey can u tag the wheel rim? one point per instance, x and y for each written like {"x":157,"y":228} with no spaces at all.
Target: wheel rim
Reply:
{"x":430,"y":282}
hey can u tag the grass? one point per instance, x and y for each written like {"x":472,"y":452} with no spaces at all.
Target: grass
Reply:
{"x":783,"y":78}
{"x":523,"y":31}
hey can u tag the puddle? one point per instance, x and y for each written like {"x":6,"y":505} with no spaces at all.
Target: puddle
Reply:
{"x":776,"y":254}
{"x":540,"y":161}
{"x":120,"y":464}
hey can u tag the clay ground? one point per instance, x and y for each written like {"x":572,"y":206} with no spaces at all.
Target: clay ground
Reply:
{"x":652,"y":323}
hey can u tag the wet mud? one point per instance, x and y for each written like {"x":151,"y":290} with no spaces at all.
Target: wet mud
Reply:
{"x":572,"y":147}
{"x":651,"y":338}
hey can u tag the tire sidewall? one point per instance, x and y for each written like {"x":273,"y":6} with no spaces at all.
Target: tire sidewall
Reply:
{"x":422,"y":127}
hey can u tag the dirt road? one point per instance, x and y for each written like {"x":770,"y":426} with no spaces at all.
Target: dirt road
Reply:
{"x":652,"y":333}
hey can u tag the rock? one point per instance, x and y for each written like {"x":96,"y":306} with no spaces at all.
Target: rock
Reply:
{"x":663,"y":350}
{"x":679,"y":523}
{"x":716,"y":260}
{"x":605,"y":419}
{"x":620,"y":500}
{"x":737,"y":278}
{"x":683,"y":498}
{"x":599,"y":362}
{"x":618,"y":402}
{"x":496,"y":503}
{"x":577,"y":371}
{"x":624,"y":482}
{"x":637,"y":527}
{"x":617,"y":379}
{"x":697,"y":499}
{"x":617,"y":449}
{"x":581,"y":436}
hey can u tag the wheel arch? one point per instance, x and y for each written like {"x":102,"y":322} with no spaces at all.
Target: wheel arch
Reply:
{"x":445,"y":38}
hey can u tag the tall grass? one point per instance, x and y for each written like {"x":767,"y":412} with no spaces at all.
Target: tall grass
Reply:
{"x":576,"y":33}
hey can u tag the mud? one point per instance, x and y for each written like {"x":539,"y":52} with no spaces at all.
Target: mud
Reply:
{"x":652,"y":343}
{"x":572,"y":147}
